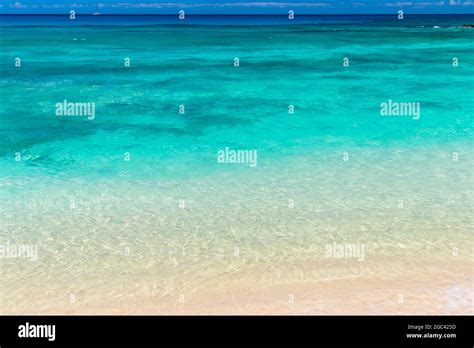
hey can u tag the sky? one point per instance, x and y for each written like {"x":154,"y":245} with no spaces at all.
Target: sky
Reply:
{"x":236,"y":6}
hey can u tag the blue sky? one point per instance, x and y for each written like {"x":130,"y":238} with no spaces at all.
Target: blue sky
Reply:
{"x":237,"y":6}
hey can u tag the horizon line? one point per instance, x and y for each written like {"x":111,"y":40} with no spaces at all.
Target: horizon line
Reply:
{"x":236,"y":14}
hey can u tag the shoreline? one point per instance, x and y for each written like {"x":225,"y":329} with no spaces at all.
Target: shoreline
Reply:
{"x":357,"y":296}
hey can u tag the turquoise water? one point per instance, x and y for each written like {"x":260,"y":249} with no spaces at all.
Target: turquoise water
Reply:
{"x":334,"y":170}
{"x":242,"y":107}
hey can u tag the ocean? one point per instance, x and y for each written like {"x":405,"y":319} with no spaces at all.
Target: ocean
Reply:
{"x":227,"y":164}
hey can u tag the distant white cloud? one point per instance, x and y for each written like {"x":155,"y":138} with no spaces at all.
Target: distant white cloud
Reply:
{"x":426,"y":4}
{"x":415,"y":4}
{"x":17,"y":5}
{"x":239,"y":4}
{"x":398,"y":4}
